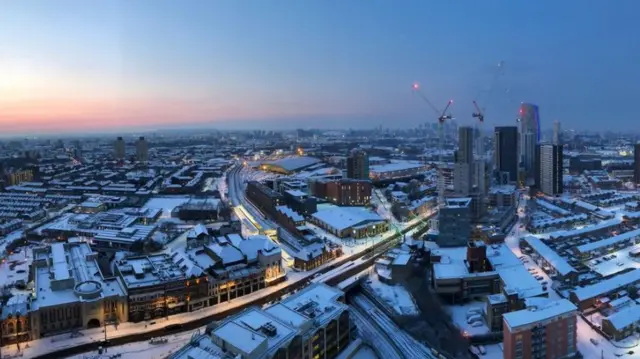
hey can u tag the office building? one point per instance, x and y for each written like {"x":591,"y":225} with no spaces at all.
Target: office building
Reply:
{"x":548,"y":171}
{"x":636,"y":162}
{"x":119,"y":149}
{"x":529,"y":137}
{"x":454,"y":222}
{"x":557,"y":134}
{"x":343,"y":192}
{"x":463,"y":168}
{"x":142,"y":150}
{"x":506,"y":153}
{"x":546,"y":330}
{"x":358,"y":165}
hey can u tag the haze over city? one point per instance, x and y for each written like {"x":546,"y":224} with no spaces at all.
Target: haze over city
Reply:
{"x":77,"y":66}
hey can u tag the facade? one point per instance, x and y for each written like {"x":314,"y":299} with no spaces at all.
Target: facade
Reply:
{"x":506,"y":153}
{"x":557,"y":134}
{"x":71,"y":292}
{"x":454,"y":222}
{"x":15,"y":324}
{"x":358,"y":165}
{"x":548,"y":171}
{"x":636,"y":162}
{"x":142,"y":150}
{"x":313,"y":323}
{"x":119,"y":149}
{"x":529,"y":136}
{"x":344,"y":192}
{"x":547,"y":330}
{"x":464,"y":165}
{"x":264,"y":197}
{"x":16,"y":177}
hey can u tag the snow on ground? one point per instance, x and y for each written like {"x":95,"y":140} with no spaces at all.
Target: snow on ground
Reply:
{"x":142,"y":349}
{"x":604,"y":349}
{"x":493,"y":351}
{"x":365,"y":352}
{"x":166,"y":203}
{"x":395,"y":296}
{"x":609,"y":267}
{"x":458,"y":314}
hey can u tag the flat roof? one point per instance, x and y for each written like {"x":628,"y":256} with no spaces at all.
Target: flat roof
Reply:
{"x":537,"y":314}
{"x":342,"y":218}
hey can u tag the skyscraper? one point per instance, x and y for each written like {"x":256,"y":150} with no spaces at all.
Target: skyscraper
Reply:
{"x":506,"y":155}
{"x":636,"y":162}
{"x":548,"y":172}
{"x":358,"y":165}
{"x":463,"y":168}
{"x":118,"y":149}
{"x":142,"y":150}
{"x":529,"y":136}
{"x":557,"y":137}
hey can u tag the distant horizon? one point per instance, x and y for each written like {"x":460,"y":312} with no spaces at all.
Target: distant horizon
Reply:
{"x":69,"y":66}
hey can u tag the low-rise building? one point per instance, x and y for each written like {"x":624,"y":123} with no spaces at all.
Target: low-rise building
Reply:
{"x":354,"y":222}
{"x":343,"y":192}
{"x":70,"y":291}
{"x":313,"y":323}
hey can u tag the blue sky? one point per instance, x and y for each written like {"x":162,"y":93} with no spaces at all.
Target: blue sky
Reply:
{"x":153,"y":63}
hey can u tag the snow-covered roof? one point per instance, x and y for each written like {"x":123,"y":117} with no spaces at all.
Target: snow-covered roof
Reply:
{"x":395,"y":166}
{"x":549,"y":255}
{"x":589,"y":247}
{"x":625,"y":317}
{"x":291,"y":164}
{"x":586,"y":230}
{"x":607,"y":285}
{"x":342,"y":218}
{"x":538,"y":314}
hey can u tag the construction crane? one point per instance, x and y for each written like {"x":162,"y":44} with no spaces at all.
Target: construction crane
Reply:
{"x":442,"y":117}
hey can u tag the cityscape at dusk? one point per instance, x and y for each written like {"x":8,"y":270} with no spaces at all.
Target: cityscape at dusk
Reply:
{"x":306,"y":179}
{"x":70,"y":66}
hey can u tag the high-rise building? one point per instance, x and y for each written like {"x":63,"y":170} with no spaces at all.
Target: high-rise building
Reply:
{"x":506,"y":154}
{"x":454,"y":222}
{"x":529,"y":136}
{"x":548,"y":171}
{"x":548,"y":330}
{"x":463,"y":167}
{"x":142,"y":150}
{"x":557,"y":135}
{"x":358,"y":165}
{"x":118,"y":149}
{"x":636,"y":162}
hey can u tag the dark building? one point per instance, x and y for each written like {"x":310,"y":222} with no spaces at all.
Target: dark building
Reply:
{"x":506,"y":151}
{"x":358,"y":165}
{"x":454,"y":223}
{"x":578,"y":164}
{"x":344,"y":192}
{"x":300,"y":202}
{"x":636,"y":162}
{"x":548,"y":169}
{"x":264,"y":197}
{"x":463,"y":167}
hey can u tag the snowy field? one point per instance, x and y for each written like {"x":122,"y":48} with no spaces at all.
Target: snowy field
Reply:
{"x":143,"y":349}
{"x":458,"y":314}
{"x":395,"y":296}
{"x":166,"y":203}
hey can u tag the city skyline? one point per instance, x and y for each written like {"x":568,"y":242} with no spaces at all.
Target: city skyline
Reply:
{"x":115,"y":65}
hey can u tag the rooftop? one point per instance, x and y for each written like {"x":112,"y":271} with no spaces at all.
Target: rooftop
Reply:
{"x":538,"y":314}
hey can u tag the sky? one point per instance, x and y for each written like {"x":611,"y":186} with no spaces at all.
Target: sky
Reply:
{"x":111,"y":65}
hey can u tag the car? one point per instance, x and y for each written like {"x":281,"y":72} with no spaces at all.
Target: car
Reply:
{"x":476,"y":324}
{"x":539,"y":277}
